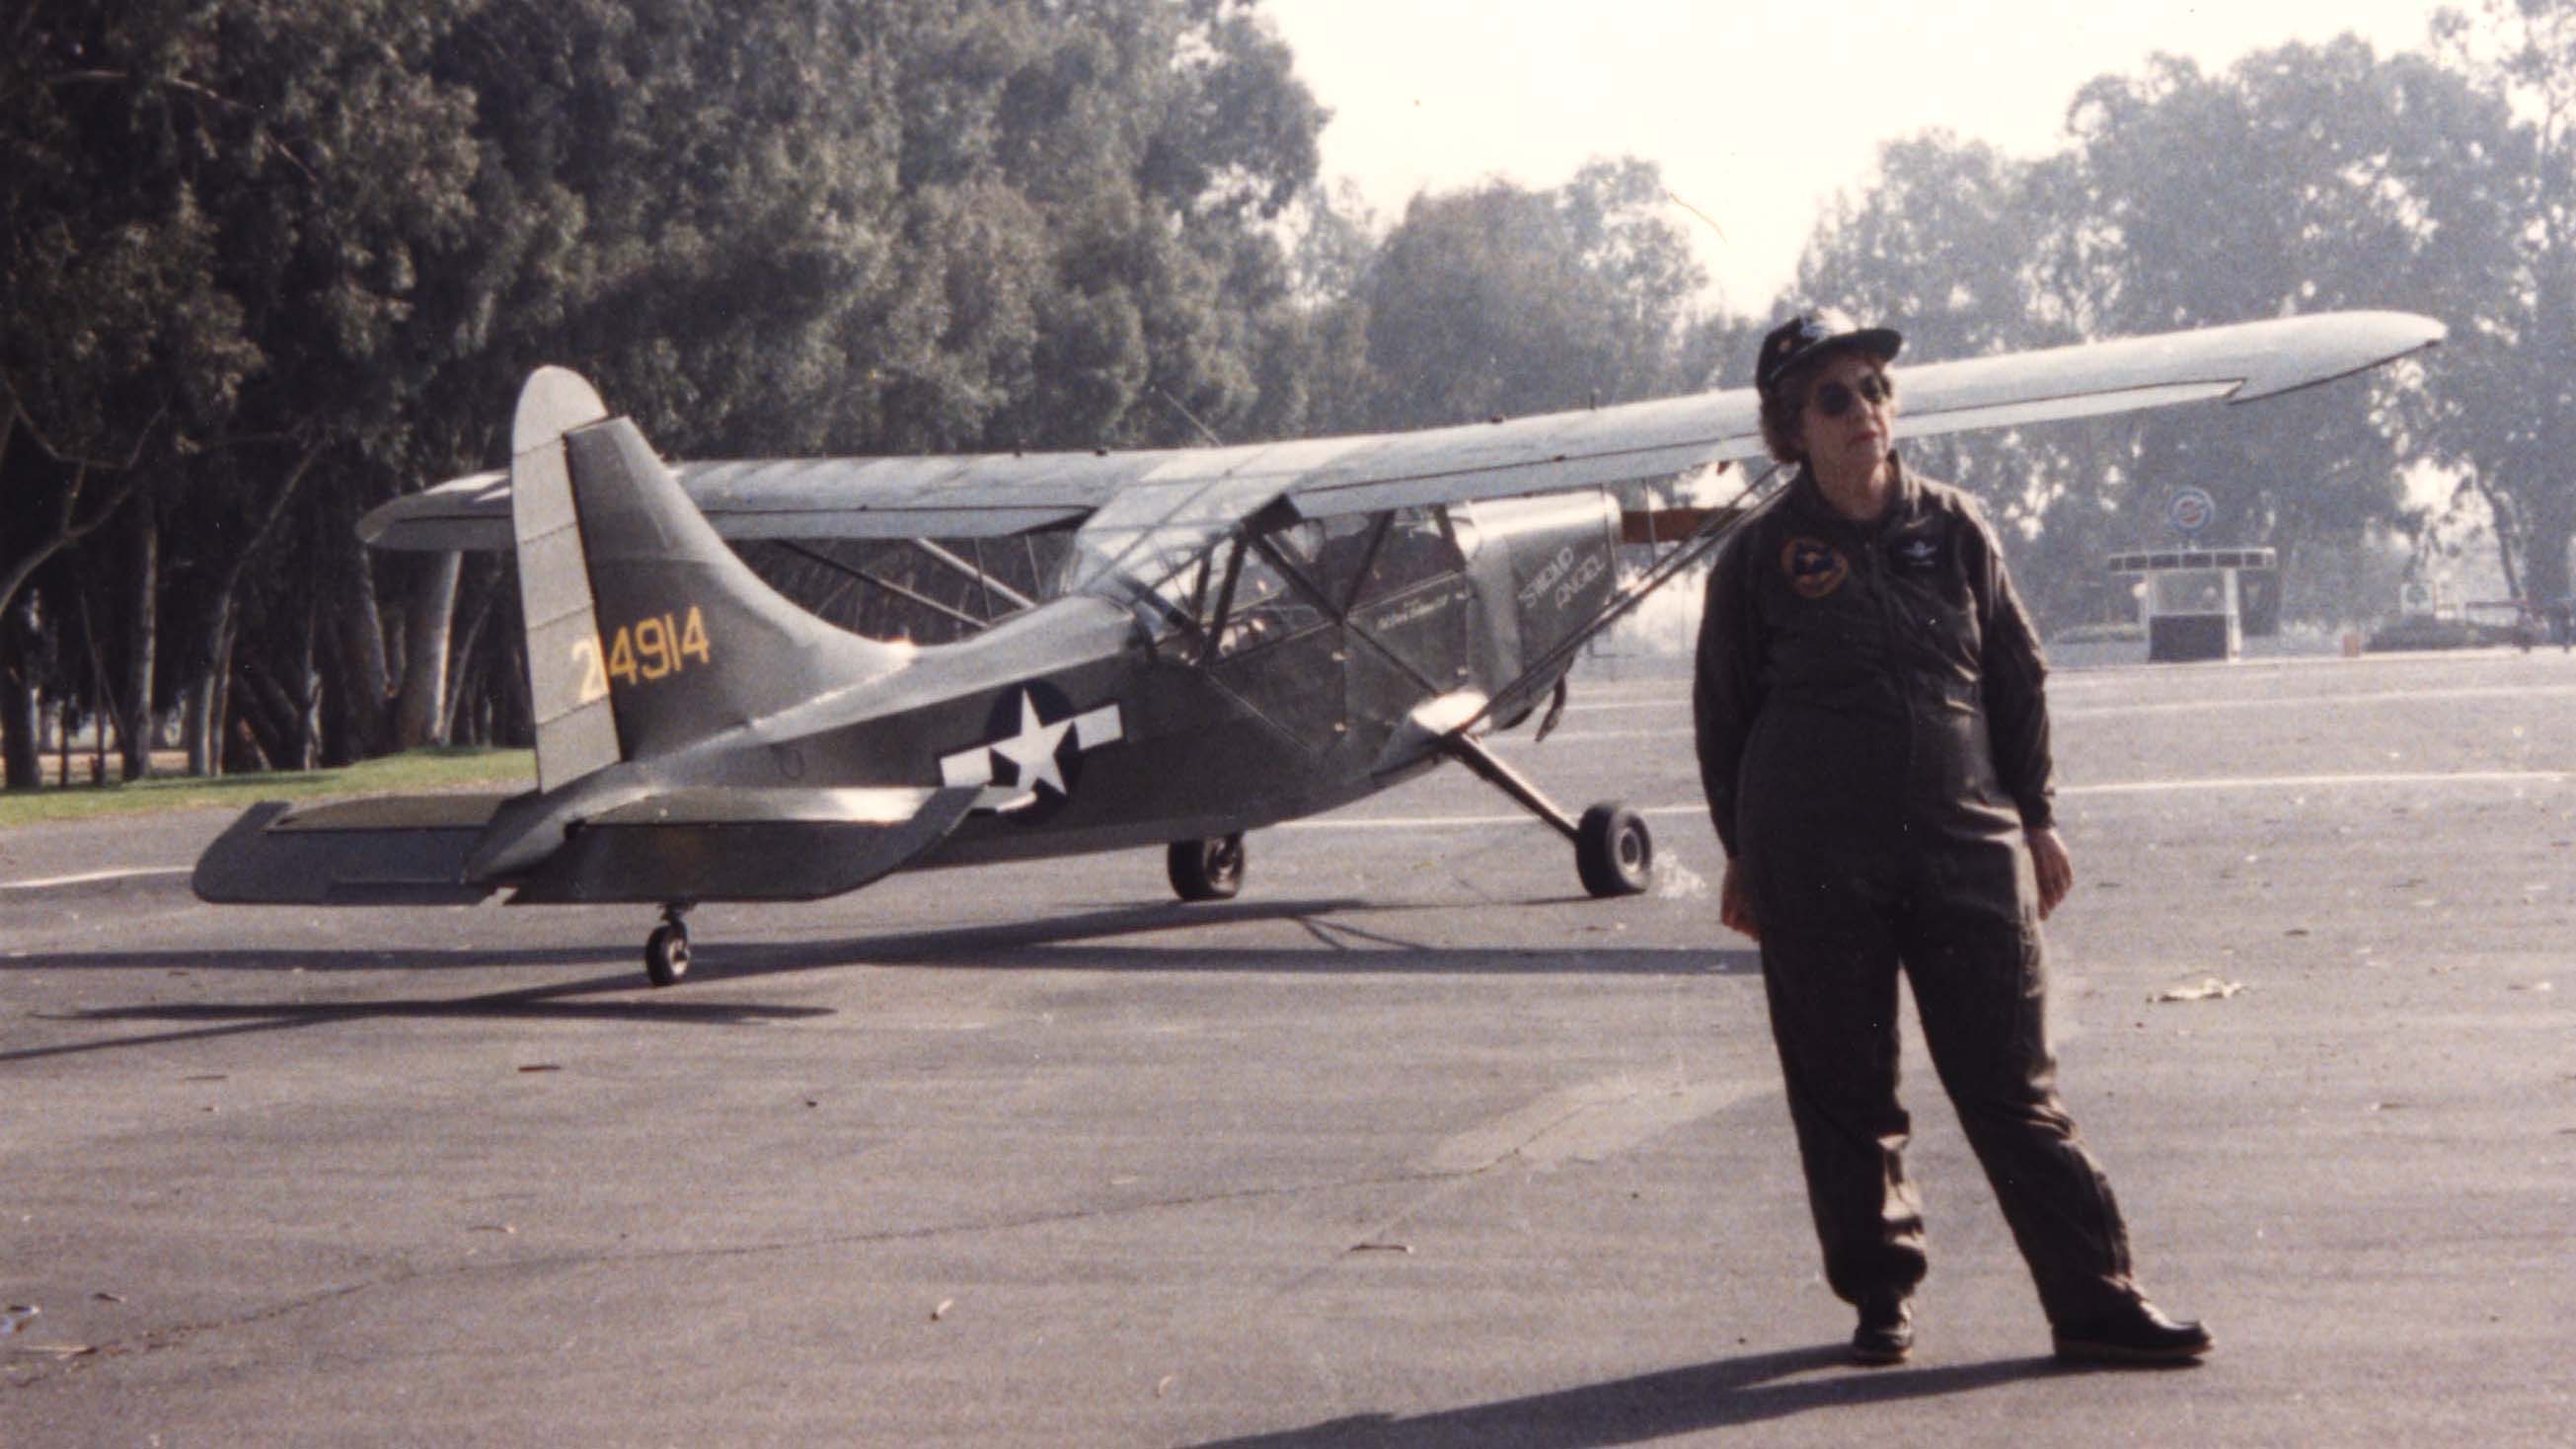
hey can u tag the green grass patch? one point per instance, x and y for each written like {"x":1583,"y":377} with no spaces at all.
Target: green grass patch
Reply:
{"x":455,"y":768}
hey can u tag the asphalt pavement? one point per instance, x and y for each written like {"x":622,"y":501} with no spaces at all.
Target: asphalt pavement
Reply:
{"x":1410,"y":1145}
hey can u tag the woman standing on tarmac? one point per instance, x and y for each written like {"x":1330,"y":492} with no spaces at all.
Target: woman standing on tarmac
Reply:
{"x":1873,"y":737}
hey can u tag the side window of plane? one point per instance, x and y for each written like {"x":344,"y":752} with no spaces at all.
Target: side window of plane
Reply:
{"x":1414,"y":550}
{"x":1342,"y":553}
{"x":1176,"y":611}
{"x":1266,"y":605}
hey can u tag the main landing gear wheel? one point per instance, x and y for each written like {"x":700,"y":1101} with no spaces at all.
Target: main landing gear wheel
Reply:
{"x":1613,"y":851}
{"x":1206,"y":869}
{"x":666,"y":951}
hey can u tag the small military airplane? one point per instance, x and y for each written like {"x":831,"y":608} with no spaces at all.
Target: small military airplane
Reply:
{"x":1200,"y":642}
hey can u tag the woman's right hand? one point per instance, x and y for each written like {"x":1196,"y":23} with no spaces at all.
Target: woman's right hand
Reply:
{"x":1735,"y":904}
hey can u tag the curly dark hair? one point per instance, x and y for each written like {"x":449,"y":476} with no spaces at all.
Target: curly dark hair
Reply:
{"x":1781,"y":404}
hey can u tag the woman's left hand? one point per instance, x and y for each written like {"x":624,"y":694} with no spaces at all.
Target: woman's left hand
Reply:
{"x":2056,"y":869}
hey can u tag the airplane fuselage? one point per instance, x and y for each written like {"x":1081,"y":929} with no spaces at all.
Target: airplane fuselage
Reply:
{"x":1096,"y":725}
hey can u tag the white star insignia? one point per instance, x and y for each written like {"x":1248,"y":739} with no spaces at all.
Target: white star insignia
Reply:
{"x":1035,"y":754}
{"x":1032,"y":751}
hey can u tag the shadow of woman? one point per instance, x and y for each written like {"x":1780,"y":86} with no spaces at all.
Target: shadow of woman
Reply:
{"x":1650,"y":1407}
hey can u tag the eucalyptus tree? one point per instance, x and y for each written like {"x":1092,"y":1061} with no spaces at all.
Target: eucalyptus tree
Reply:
{"x":1498,"y":299}
{"x":2304,"y":178}
{"x":271,"y":261}
{"x":1947,"y":241}
{"x":2509,"y":411}
{"x":204,"y":201}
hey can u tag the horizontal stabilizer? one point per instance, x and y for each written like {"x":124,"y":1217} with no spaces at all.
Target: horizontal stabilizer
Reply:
{"x":399,"y":851}
{"x":702,"y":844}
{"x":721,"y":844}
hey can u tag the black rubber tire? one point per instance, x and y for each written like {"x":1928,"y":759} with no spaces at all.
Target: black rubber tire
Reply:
{"x":1614,"y":853}
{"x":1206,"y":869}
{"x":666,"y":955}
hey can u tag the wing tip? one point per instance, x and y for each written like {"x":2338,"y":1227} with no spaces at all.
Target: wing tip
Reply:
{"x":2352,"y":343}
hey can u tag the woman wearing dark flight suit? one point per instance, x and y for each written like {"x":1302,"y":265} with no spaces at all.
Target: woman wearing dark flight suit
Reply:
{"x":1873,"y":737}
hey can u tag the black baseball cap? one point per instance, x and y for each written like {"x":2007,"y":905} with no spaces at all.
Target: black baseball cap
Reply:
{"x":1810,"y":335}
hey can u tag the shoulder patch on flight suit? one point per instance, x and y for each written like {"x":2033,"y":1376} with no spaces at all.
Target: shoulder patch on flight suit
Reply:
{"x":1815,"y":568}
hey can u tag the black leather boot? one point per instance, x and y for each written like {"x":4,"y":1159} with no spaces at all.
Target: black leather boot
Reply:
{"x":1886,"y":1332}
{"x":2137,"y":1334}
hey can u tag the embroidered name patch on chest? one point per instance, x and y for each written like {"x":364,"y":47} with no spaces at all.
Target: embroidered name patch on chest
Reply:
{"x":1814,"y":567}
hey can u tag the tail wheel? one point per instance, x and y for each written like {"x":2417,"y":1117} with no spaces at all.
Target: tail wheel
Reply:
{"x":666,"y":954}
{"x":1613,"y":851}
{"x":1206,"y":869}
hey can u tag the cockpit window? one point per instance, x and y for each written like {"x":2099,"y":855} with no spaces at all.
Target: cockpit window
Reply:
{"x":1414,"y":549}
{"x":1265,"y":604}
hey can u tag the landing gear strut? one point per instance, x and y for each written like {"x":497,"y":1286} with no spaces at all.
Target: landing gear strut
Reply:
{"x":1207,"y":869}
{"x":1614,"y":853}
{"x":666,"y":951}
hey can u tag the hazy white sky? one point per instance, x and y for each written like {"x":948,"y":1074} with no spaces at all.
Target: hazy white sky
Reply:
{"x":1757,"y":110}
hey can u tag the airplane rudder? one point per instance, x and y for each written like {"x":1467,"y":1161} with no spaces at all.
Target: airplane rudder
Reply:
{"x":576,"y":727}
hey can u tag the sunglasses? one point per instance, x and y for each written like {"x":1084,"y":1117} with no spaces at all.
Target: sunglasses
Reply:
{"x":1834,"y":399}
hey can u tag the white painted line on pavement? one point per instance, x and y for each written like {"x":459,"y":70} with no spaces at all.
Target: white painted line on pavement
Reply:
{"x":1681,"y":700}
{"x":2298,"y":782}
{"x":2132,"y":787}
{"x":2289,"y":701}
{"x":1678,"y":701}
{"x":92,"y":875}
{"x":2281,"y":702}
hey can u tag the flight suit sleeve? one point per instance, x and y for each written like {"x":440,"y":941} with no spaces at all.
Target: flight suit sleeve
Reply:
{"x":2015,"y":675}
{"x":1726,"y":686}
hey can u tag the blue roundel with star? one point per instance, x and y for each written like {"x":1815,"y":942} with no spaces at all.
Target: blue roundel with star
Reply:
{"x":1031,"y":754}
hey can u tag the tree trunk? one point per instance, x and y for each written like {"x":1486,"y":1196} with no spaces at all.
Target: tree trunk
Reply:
{"x":134,"y":710}
{"x":21,"y":737}
{"x":210,"y":697}
{"x":469,"y":670}
{"x":2504,"y":517}
{"x":219,"y":686}
{"x":242,"y":754}
{"x":361,"y":673}
{"x":271,"y":715}
{"x":26,"y":767}
{"x":2548,"y":525}
{"x":193,"y":743}
{"x":311,"y":743}
{"x":210,"y":700}
{"x":420,"y":710}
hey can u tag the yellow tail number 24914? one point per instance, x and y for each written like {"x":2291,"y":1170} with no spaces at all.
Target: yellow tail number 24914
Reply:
{"x":651,"y":648}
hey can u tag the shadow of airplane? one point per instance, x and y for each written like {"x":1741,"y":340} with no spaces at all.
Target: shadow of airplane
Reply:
{"x":450,"y":958}
{"x":1057,"y":944}
{"x":550,"y":1003}
{"x":1027,"y":945}
{"x":1729,"y":1393}
{"x":1061,"y":944}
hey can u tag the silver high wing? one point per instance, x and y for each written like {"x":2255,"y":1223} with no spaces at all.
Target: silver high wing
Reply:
{"x":989,"y":495}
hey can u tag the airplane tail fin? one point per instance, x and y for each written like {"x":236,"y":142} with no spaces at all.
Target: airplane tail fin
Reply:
{"x":645,"y":632}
